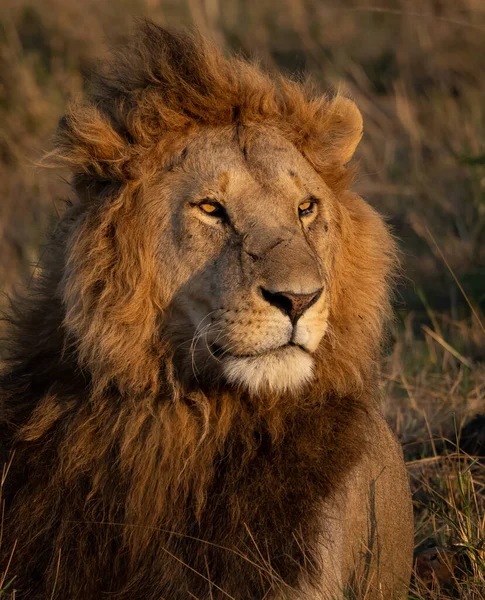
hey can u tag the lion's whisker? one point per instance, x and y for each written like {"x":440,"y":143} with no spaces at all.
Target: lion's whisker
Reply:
{"x":199,"y":330}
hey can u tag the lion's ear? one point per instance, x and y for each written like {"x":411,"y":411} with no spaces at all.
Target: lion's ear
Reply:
{"x":88,"y":145}
{"x":345,"y":128}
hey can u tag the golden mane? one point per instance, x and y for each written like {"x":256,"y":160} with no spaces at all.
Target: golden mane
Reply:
{"x":97,"y":383}
{"x":170,"y":82}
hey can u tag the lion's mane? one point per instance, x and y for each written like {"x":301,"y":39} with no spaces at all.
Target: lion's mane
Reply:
{"x":122,"y":480}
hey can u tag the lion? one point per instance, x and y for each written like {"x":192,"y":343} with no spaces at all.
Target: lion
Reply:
{"x":190,"y":407}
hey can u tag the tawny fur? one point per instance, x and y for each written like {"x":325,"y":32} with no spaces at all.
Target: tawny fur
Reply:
{"x":124,"y":479}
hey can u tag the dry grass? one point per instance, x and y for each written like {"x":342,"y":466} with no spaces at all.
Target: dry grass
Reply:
{"x":429,"y":396}
{"x":416,"y":70}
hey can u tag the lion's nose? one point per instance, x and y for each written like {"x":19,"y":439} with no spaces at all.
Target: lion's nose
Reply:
{"x":293,"y":305}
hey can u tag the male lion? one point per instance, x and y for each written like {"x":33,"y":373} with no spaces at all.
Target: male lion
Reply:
{"x":190,"y":408}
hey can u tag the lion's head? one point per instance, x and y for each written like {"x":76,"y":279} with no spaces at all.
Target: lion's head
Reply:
{"x":215,"y":226}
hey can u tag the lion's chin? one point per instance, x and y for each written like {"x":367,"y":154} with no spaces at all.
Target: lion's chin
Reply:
{"x":286,"y":369}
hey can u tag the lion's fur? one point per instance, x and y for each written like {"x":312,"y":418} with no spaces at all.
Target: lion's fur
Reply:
{"x":119,"y":468}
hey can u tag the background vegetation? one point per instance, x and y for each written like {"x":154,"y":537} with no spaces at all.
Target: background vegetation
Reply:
{"x":416,"y":70}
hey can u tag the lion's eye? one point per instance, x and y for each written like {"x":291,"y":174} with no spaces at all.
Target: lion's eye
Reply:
{"x":306,"y":208}
{"x":212,"y":208}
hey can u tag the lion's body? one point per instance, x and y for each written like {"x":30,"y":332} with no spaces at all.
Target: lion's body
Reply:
{"x":191,"y":409}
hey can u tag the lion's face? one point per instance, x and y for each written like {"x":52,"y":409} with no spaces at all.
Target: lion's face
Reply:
{"x":247,"y":255}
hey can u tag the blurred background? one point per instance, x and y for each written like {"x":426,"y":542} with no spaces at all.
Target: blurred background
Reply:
{"x":416,"y":69}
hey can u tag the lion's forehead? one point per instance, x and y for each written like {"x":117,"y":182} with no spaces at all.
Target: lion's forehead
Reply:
{"x":262,"y":156}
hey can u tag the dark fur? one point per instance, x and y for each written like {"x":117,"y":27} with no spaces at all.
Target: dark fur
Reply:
{"x":121,"y":480}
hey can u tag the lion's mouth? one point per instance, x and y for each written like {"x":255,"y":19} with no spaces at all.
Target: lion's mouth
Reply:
{"x":220,"y":352}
